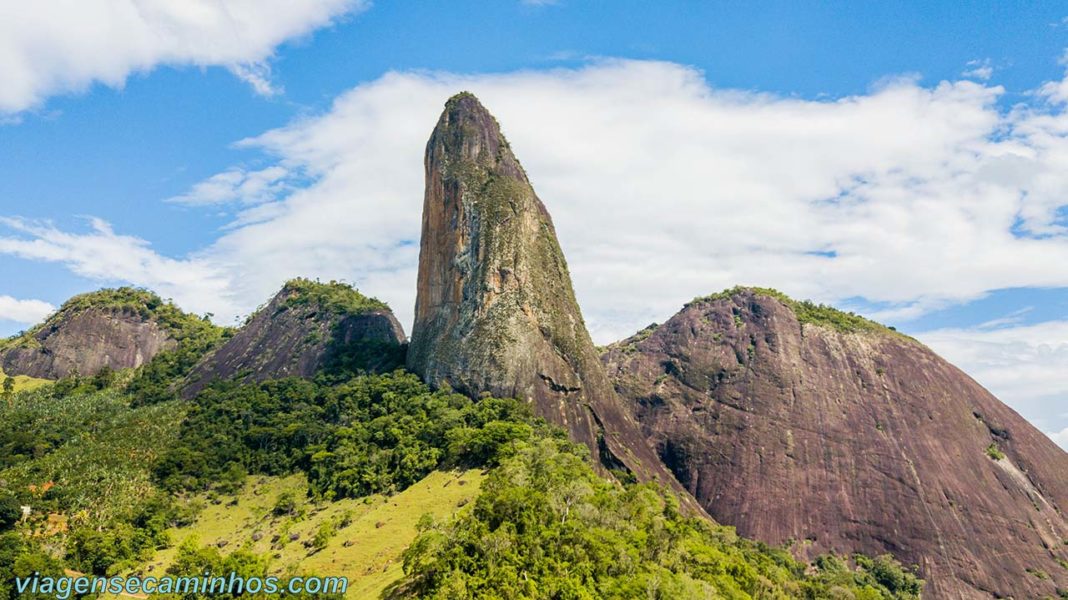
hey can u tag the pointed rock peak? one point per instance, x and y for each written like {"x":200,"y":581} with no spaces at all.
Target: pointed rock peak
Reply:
{"x":467,"y":132}
{"x":465,"y":102}
{"x":495,"y":310}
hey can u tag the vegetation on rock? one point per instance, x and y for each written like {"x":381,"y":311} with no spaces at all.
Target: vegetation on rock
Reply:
{"x":806,"y":311}
{"x":145,"y":303}
{"x":157,"y":380}
{"x":334,"y":297}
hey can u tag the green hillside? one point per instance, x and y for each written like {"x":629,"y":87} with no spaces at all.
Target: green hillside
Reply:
{"x":21,"y":383}
{"x":361,"y":539}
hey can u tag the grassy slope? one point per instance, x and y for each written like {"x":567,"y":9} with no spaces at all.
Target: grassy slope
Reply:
{"x":25,"y":382}
{"x":380,"y":529}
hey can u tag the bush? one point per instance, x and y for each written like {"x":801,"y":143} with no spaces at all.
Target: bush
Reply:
{"x":22,"y":557}
{"x":10,"y":510}
{"x":285,"y":504}
{"x":325,"y":533}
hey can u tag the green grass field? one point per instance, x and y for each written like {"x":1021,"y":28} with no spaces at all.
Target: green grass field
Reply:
{"x":367,"y":550}
{"x":24,"y":382}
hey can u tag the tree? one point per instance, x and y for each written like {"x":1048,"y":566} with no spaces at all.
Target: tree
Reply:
{"x":10,"y":511}
{"x":9,"y":388}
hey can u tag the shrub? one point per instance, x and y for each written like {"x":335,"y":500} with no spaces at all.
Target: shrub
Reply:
{"x":10,"y":510}
{"x":326,"y":532}
{"x":285,"y":505}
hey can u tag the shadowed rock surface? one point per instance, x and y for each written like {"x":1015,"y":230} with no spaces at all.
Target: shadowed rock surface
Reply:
{"x":117,"y":328}
{"x":307,"y":326}
{"x":842,"y":435}
{"x":495,"y":312}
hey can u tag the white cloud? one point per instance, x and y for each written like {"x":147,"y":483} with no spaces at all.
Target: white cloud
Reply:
{"x":979,"y":69}
{"x":1022,"y":364}
{"x":56,"y":46}
{"x":258,"y":75}
{"x":663,"y":188}
{"x":23,"y":311}
{"x":1060,"y":437}
{"x":102,"y":255}
{"x":239,"y":186}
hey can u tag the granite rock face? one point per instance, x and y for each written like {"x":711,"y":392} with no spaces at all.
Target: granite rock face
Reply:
{"x":849,"y":441}
{"x":299,"y":332}
{"x":88,"y":334}
{"x":495,"y":311}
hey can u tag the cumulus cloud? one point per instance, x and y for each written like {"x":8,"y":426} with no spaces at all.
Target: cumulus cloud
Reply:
{"x":664,"y":188}
{"x":102,"y":255}
{"x":23,"y":311}
{"x":53,"y":46}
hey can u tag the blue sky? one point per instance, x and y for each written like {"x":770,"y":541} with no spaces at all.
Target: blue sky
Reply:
{"x":899,"y":159}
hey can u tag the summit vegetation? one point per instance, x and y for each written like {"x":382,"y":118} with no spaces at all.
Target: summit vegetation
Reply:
{"x":806,"y":311}
{"x":334,"y":297}
{"x":147,"y":304}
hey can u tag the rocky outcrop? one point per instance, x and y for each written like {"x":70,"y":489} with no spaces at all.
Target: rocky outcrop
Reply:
{"x":495,"y":312}
{"x":799,"y":424}
{"x":306,"y":327}
{"x":118,"y":329}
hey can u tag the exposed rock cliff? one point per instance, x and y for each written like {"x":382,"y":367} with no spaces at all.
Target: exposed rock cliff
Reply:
{"x":117,"y":328}
{"x":495,"y":311}
{"x":306,"y":327}
{"x":797,"y":423}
